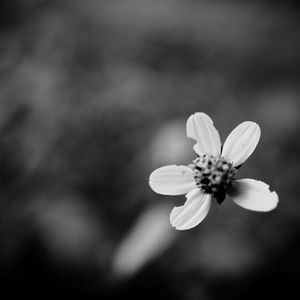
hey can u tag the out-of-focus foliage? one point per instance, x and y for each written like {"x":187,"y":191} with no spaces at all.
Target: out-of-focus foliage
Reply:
{"x":94,"y":95}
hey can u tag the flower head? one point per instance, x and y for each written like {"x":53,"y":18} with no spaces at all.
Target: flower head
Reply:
{"x":211,"y":175}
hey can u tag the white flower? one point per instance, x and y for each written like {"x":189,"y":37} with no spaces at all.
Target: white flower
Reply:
{"x":210,"y":176}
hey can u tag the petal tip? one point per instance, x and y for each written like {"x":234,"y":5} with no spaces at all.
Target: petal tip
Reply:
{"x":200,"y":128}
{"x":254,"y":195}
{"x":171,"y":180}
{"x":276,"y":199}
{"x":254,"y":127}
{"x":192,"y":212}
{"x":241,"y":142}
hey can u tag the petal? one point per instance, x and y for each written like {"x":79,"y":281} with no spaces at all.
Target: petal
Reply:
{"x":192,"y":212}
{"x":172,"y":180}
{"x":253,"y":194}
{"x":200,"y":127}
{"x":241,"y":142}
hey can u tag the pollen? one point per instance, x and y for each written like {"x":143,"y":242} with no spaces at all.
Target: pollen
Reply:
{"x":213,"y":175}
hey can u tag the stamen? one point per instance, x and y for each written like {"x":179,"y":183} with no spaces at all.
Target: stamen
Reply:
{"x":213,"y":174}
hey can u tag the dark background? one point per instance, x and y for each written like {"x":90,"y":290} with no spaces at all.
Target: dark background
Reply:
{"x":94,"y":95}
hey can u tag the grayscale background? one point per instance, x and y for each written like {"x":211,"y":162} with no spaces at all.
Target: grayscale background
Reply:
{"x":94,"y":96}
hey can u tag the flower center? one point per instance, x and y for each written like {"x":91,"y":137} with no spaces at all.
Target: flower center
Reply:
{"x":213,"y":175}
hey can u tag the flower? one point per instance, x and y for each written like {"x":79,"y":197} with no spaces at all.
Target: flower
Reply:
{"x":211,"y":174}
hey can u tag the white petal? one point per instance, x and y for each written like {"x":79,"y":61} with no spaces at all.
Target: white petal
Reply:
{"x":192,"y":212}
{"x":172,"y":180}
{"x":253,"y":194}
{"x":241,"y":142}
{"x":200,"y":127}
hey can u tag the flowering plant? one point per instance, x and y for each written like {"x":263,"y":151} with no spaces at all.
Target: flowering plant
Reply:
{"x":211,"y":175}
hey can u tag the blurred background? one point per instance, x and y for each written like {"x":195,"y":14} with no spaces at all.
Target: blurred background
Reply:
{"x":94,"y":95}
